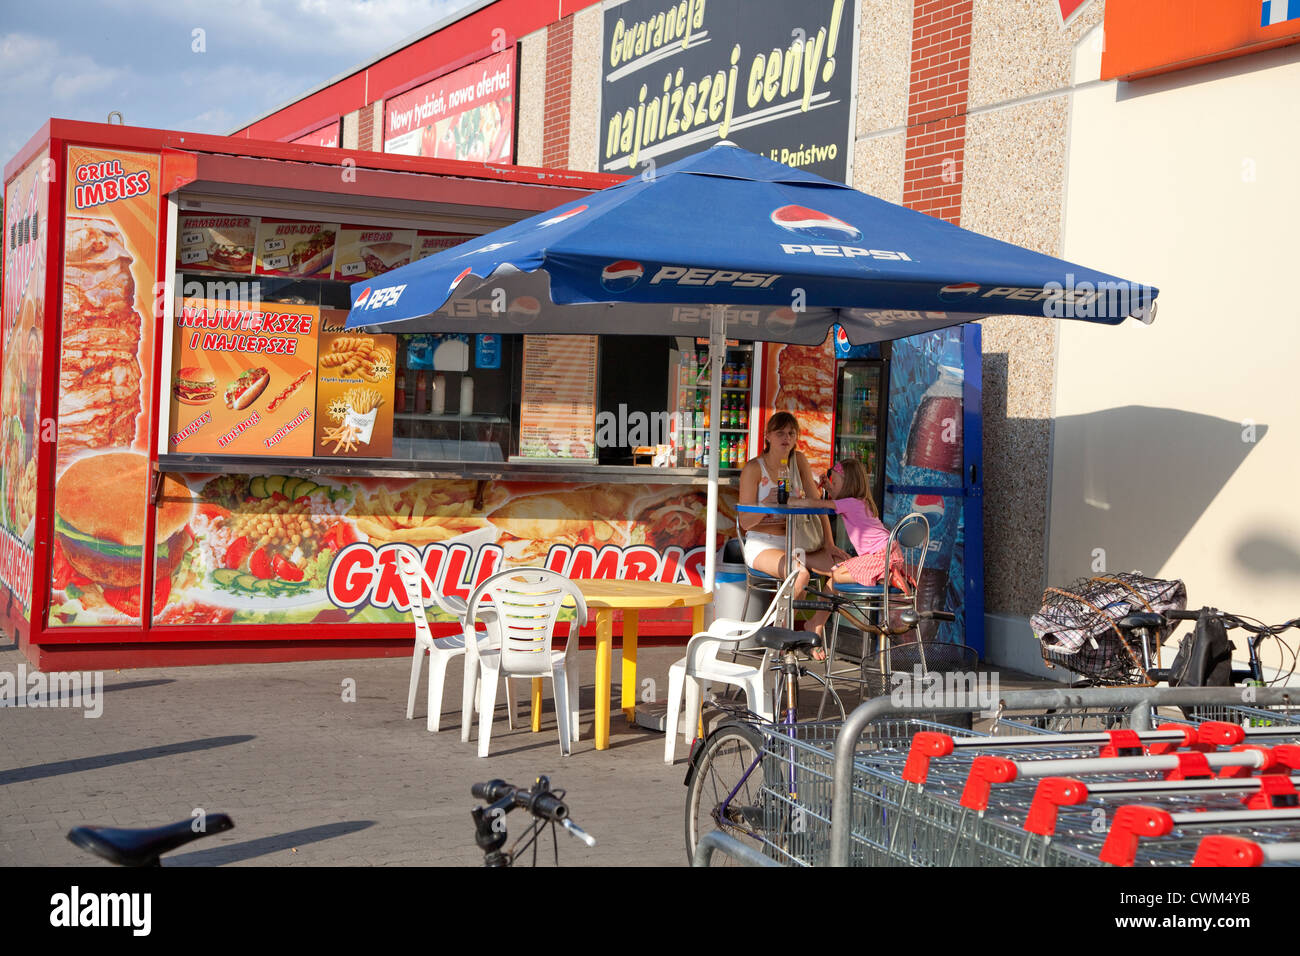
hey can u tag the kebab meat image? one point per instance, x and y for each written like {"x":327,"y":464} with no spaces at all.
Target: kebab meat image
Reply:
{"x":807,"y":391}
{"x":383,"y":256}
{"x":99,"y":374}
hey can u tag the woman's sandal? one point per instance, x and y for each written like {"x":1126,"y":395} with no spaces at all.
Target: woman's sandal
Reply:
{"x":818,"y":653}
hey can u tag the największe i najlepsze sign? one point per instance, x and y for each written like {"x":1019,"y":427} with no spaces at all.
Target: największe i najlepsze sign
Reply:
{"x":774,"y":77}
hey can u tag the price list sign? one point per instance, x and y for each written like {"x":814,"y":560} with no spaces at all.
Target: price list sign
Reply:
{"x":558,"y":410}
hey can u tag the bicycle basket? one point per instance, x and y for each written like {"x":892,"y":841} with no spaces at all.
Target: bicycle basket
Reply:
{"x":921,"y":671}
{"x":1076,"y":626}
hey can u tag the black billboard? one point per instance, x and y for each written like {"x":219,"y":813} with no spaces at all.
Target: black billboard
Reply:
{"x":774,"y":77}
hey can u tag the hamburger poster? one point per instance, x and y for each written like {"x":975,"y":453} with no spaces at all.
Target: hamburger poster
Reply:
{"x":242,"y":379}
{"x":217,"y":243}
{"x":102,"y":482}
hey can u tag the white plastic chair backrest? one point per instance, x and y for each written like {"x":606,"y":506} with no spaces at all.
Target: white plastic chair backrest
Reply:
{"x":706,"y":649}
{"x":415,"y":580}
{"x":527,"y":602}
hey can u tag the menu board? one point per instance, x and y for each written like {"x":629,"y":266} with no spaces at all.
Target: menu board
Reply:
{"x":242,"y":379}
{"x":364,"y":253}
{"x":428,"y":243}
{"x":557,"y":418}
{"x":347,"y":253}
{"x":354,"y":394}
{"x":297,"y":249}
{"x":217,"y":243}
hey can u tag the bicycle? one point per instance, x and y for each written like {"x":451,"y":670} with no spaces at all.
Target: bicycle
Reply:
{"x":1145,"y":625}
{"x":546,"y":806}
{"x":145,"y":847}
{"x":724,"y":792}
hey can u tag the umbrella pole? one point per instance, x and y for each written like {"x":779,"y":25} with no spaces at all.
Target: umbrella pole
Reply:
{"x":717,"y":357}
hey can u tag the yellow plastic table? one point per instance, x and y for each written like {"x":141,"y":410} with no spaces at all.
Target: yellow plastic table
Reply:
{"x":605,"y":596}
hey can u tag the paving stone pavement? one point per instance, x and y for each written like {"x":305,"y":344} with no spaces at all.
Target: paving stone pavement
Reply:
{"x":312,"y":780}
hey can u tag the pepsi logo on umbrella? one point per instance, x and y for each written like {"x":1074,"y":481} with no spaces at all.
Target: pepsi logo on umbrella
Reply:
{"x":563,"y":216}
{"x":781,"y":320}
{"x":959,"y":291}
{"x":812,"y":224}
{"x":621,"y":276}
{"x":457,"y":281}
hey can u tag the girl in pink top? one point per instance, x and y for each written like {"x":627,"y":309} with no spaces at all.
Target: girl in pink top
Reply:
{"x":850,"y":493}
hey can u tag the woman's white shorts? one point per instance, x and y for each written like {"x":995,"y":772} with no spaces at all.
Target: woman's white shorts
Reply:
{"x":756,"y":543}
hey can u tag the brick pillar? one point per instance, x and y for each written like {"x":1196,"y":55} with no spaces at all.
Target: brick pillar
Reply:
{"x":559,"y":79}
{"x":366,"y":128}
{"x":936,"y":108}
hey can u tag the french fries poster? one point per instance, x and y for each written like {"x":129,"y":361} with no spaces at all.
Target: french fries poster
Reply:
{"x":354,"y":397}
{"x":243,"y":379}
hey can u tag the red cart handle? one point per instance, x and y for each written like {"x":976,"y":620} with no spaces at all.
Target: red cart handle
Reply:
{"x":1132,"y":822}
{"x":984,"y":772}
{"x":1228,"y":851}
{"x":1275,"y":792}
{"x":926,"y":745}
{"x":1191,"y":766}
{"x":1123,"y":743}
{"x":1052,"y":794}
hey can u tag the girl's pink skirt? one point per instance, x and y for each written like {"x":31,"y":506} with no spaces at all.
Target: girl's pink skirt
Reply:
{"x":869,"y":569}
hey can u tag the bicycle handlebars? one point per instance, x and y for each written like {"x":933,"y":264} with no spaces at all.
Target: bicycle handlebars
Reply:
{"x":540,"y":801}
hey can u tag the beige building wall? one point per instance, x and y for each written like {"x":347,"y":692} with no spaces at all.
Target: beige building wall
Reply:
{"x":1177,"y":445}
{"x":532,"y":96}
{"x":584,"y":98}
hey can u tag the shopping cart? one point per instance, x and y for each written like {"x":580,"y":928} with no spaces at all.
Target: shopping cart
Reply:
{"x":1042,"y":798}
{"x":1051,"y":800}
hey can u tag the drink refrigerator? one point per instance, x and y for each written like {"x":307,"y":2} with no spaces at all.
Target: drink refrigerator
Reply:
{"x":923,"y":448}
{"x":688,"y":375}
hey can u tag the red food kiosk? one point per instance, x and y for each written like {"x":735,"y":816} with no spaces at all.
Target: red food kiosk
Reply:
{"x":200,"y":465}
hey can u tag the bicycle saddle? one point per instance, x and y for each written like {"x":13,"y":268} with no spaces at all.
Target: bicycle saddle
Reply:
{"x":782,"y":639}
{"x":143,"y":847}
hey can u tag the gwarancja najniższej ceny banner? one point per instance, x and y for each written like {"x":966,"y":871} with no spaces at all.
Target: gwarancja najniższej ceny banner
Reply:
{"x":772,"y":76}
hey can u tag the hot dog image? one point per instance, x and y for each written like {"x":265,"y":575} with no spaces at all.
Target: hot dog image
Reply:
{"x":247,"y":389}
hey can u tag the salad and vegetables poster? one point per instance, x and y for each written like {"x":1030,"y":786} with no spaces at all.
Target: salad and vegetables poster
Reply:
{"x":467,"y":114}
{"x":278,"y":548}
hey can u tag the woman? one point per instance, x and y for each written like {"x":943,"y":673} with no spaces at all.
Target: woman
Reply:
{"x":765,"y":534}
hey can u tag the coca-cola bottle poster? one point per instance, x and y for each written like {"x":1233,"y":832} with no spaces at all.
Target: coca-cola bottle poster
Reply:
{"x":924,"y":456}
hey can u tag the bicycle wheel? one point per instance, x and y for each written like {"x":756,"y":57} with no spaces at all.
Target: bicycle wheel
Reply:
{"x":730,"y":761}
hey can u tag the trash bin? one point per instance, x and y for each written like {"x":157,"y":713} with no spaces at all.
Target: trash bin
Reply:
{"x":729,"y":586}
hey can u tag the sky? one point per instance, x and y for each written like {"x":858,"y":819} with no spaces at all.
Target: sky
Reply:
{"x":82,"y":59}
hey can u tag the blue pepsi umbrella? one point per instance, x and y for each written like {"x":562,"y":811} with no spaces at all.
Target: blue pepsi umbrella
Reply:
{"x":729,"y":243}
{"x":784,"y":254}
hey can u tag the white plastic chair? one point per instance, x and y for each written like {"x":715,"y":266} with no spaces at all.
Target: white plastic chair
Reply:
{"x":694,"y":672}
{"x":526,"y":602}
{"x":440,"y":650}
